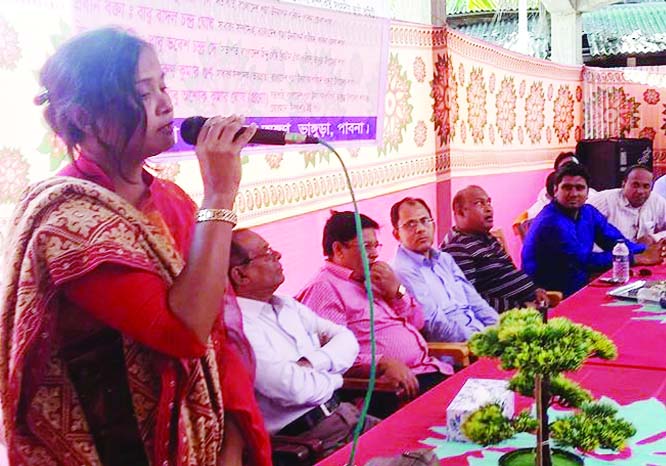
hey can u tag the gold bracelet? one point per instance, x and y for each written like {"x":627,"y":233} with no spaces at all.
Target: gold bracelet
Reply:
{"x":217,"y":215}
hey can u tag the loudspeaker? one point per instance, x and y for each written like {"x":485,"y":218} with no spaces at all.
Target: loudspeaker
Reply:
{"x":608,"y":159}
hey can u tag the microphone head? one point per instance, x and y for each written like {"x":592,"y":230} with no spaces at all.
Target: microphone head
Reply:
{"x":190,"y":128}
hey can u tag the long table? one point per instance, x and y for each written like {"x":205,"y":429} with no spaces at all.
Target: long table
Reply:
{"x":638,"y":331}
{"x":420,"y":423}
{"x":636,"y":380}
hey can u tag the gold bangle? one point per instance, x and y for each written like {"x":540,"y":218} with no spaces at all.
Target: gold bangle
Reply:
{"x":217,"y":215}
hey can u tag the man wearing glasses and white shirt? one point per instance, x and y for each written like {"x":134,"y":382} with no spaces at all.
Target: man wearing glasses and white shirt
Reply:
{"x":633,"y":209}
{"x":300,"y":357}
{"x":453,"y":308}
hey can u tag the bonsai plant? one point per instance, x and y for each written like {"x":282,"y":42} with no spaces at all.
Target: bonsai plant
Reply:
{"x":540,"y":351}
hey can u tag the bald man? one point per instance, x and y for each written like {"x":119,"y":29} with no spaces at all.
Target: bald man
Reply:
{"x":481,"y":256}
{"x":633,"y":209}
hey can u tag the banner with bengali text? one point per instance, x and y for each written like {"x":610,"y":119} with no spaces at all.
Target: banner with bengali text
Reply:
{"x":317,"y":71}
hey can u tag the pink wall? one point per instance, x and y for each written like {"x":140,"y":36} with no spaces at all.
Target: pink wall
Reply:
{"x":511,"y":193}
{"x":299,"y":238}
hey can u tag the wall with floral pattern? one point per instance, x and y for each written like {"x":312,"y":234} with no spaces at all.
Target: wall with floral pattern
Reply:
{"x":276,"y":184}
{"x":507,"y":112}
{"x":627,"y":103}
{"x":504,"y":117}
{"x":464,"y":108}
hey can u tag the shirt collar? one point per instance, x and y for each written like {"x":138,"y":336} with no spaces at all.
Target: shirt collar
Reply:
{"x":573,"y":215}
{"x":252,"y":306}
{"x":627,"y":204}
{"x":485,"y":235}
{"x":338,"y":270}
{"x":420,"y":258}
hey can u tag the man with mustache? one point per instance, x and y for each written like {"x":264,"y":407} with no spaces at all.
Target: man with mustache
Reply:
{"x":453,"y":308}
{"x":337,"y":292}
{"x":632,"y":209}
{"x":558,"y":250}
{"x":482,"y":257}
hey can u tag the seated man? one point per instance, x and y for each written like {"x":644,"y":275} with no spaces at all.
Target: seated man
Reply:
{"x":481,"y":256}
{"x":300,"y":357}
{"x":558,"y":251}
{"x":633,"y":209}
{"x":545,"y":195}
{"x":452,"y":307}
{"x":337,"y":293}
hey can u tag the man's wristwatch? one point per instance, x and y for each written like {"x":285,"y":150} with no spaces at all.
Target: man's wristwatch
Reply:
{"x":402,"y":291}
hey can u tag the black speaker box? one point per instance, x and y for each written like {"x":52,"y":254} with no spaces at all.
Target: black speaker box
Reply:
{"x":608,"y":159}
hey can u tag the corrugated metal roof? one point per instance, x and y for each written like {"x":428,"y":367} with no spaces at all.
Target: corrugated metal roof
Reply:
{"x":621,"y":29}
{"x":462,"y":7}
{"x":626,"y":29}
{"x":505,"y":34}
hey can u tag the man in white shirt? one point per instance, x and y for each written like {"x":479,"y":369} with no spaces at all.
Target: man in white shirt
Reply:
{"x":660,"y":186}
{"x":300,"y":357}
{"x":633,"y":209}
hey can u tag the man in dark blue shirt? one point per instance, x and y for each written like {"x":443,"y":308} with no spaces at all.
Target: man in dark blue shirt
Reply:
{"x":558,"y":250}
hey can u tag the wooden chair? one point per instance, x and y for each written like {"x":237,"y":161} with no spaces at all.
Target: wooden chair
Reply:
{"x":354,"y":388}
{"x":294,"y":451}
{"x":458,"y":352}
{"x":521,"y":224}
{"x":554,"y":298}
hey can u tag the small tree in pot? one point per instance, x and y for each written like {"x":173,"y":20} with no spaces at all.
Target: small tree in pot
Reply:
{"x":540,"y":351}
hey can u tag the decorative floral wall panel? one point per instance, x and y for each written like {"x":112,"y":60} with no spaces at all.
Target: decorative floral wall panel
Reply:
{"x":276,"y":183}
{"x":627,"y":103}
{"x":507,"y":112}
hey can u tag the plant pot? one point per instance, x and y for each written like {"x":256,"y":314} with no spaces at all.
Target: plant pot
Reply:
{"x":527,"y":457}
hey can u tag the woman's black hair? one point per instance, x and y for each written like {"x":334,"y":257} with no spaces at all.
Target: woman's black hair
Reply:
{"x":90,"y":82}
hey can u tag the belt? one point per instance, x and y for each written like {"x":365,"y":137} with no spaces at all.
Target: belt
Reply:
{"x":310,"y":419}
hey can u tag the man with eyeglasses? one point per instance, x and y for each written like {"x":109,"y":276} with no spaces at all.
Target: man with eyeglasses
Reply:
{"x":482,"y":257}
{"x":300,"y":357}
{"x":338,"y":293}
{"x":453,"y":308}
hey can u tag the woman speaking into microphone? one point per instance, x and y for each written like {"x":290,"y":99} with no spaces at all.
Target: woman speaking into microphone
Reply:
{"x":113,"y":344}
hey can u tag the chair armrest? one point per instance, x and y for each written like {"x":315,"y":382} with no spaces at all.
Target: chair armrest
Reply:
{"x":554,"y":298}
{"x":361,"y":385}
{"x":459,"y":352}
{"x":295,"y":451}
{"x":314,"y":445}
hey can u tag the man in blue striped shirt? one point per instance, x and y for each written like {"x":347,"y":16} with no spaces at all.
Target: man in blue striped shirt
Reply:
{"x":452,"y":307}
{"x":481,"y":256}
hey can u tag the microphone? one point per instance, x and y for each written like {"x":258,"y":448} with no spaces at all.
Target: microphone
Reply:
{"x":191,"y":127}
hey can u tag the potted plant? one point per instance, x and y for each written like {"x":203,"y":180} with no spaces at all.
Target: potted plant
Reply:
{"x":540,"y":351}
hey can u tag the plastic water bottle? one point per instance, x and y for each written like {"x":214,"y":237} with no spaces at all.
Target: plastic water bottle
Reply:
{"x":621,"y":262}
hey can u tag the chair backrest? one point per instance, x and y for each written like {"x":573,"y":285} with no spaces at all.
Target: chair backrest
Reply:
{"x":522,"y":228}
{"x":521,"y":224}
{"x":518,"y":221}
